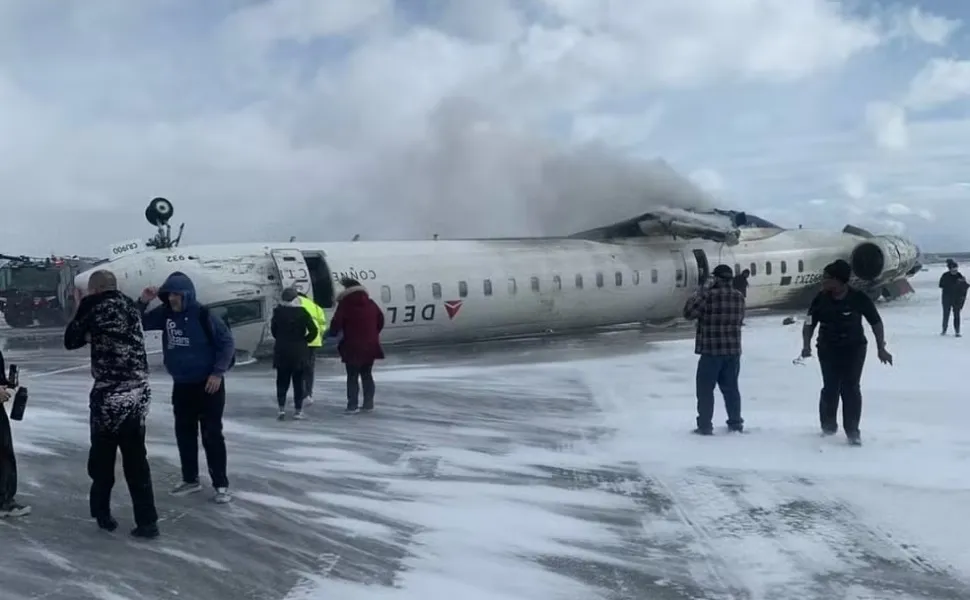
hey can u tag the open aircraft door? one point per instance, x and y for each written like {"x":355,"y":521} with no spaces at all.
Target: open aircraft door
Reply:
{"x":292,"y":270}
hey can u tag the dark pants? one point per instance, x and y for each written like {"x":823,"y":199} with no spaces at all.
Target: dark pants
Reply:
{"x":951,"y":305}
{"x":358,"y":375}
{"x":722,"y":372}
{"x":129,"y":438}
{"x":8,"y":462}
{"x":841,"y":374}
{"x":283,"y":379}
{"x":308,"y":372}
{"x":195,"y":412}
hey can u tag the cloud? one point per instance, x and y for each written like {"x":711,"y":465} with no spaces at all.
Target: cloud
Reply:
{"x":272,"y":118}
{"x":940,"y":82}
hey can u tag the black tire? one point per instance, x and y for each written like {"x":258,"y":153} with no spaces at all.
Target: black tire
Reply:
{"x":159,"y":211}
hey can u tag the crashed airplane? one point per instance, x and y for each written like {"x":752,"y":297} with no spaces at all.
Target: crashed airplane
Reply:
{"x":443,"y":291}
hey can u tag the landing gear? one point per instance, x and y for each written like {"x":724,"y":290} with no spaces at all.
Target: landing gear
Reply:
{"x":158,"y":213}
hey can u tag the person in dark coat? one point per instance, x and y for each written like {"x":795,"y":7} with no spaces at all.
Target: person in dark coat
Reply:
{"x":741,"y":282}
{"x":838,"y":311}
{"x":293,"y":329}
{"x":120,"y":399}
{"x":9,"y":507}
{"x":360,"y":321}
{"x":953,"y":292}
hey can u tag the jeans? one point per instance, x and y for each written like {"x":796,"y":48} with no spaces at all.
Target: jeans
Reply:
{"x":366,"y":376}
{"x":949,"y":305}
{"x":722,"y":372}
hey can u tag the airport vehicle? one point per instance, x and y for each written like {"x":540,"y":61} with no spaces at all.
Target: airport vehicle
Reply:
{"x":441,"y":291}
{"x":38,"y":291}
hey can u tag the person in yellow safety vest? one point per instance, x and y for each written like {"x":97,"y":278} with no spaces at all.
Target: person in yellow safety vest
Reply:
{"x":320,"y":320}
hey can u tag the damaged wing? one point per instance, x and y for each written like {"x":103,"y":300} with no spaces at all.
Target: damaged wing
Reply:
{"x":718,"y":226}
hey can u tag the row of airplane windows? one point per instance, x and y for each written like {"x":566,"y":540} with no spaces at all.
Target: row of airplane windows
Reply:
{"x":534,"y":283}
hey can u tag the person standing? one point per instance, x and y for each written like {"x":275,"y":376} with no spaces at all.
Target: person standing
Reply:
{"x":9,"y":507}
{"x":292,"y":328}
{"x":837,"y":311}
{"x":198,"y":350}
{"x":953,"y":292}
{"x":741,"y":282}
{"x":718,"y":309}
{"x":320,"y":321}
{"x":119,"y":402}
{"x":360,"y":321}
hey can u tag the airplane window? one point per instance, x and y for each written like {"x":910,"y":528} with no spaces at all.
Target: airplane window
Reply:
{"x":487,"y":287}
{"x":579,"y":281}
{"x":619,"y":278}
{"x":409,"y":293}
{"x":636,"y":278}
{"x":512,"y":287}
{"x":599,"y":280}
{"x":680,"y":275}
{"x":557,"y":282}
{"x":462,"y":289}
{"x":768,"y":268}
{"x":784,"y":267}
{"x":654,"y":276}
{"x":385,"y":294}
{"x":436,"y":290}
{"x":238,"y":312}
{"x":535,"y":284}
{"x":801,"y":266}
{"x":754,"y":269}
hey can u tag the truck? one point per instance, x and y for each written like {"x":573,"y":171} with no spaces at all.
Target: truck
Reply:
{"x":39,"y":292}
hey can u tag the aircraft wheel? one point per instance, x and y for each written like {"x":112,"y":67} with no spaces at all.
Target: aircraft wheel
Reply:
{"x":159,"y":211}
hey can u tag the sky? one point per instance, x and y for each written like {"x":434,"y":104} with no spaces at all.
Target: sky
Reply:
{"x":267,"y":119}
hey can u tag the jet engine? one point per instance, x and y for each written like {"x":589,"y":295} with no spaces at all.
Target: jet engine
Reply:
{"x":883,"y":258}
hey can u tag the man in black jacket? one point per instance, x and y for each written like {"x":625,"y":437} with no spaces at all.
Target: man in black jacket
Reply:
{"x":9,"y":507}
{"x":953,"y":287}
{"x":111,"y":323}
{"x":293,"y":329}
{"x":838,"y":311}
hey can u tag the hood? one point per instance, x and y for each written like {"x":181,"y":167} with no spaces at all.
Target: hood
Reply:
{"x":354,"y":295}
{"x":178,"y":283}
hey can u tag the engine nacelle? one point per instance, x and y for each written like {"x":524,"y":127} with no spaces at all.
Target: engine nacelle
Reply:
{"x":883,"y":258}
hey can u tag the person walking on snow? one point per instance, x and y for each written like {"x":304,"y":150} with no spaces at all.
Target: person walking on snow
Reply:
{"x":320,"y":321}
{"x":718,"y":309}
{"x":292,"y":328}
{"x":9,"y":507}
{"x":953,"y":292}
{"x":198,"y":349}
{"x":838,"y":311}
{"x":360,"y":321}
{"x":119,"y":401}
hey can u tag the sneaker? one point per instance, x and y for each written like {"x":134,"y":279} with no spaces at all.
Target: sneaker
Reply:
{"x":854,"y":439}
{"x":351,"y":411}
{"x":957,"y":334}
{"x":700,"y":431}
{"x":222,"y":496}
{"x":367,"y":409}
{"x":298,"y":415}
{"x":184,"y":489}
{"x":827,"y":431}
{"x":148,"y":532}
{"x":108,"y":523}
{"x":14,"y":509}
{"x":308,"y":401}
{"x":280,"y":416}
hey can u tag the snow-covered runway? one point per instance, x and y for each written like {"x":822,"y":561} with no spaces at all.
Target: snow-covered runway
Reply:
{"x":539,"y":475}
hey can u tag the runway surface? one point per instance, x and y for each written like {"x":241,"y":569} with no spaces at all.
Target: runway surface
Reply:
{"x":527,"y":471}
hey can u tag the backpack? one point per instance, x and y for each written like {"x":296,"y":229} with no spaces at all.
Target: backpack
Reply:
{"x":210,"y":336}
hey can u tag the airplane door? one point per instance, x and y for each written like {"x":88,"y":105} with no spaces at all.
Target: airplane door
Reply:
{"x":293,"y":270}
{"x":703,"y":268}
{"x":680,"y":268}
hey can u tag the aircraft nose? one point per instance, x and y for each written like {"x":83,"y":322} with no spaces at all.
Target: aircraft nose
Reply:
{"x":81,"y":280}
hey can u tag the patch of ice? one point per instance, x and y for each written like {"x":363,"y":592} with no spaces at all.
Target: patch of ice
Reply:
{"x":192,"y":558}
{"x":276,"y":502}
{"x":55,"y":559}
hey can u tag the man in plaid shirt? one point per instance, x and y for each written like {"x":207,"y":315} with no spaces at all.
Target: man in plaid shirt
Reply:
{"x":719,"y":310}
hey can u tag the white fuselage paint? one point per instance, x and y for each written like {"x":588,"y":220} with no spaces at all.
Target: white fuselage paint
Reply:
{"x":533,"y":281}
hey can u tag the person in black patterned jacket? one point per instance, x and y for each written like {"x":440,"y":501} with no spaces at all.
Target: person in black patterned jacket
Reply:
{"x":718,"y":309}
{"x":111,"y":323}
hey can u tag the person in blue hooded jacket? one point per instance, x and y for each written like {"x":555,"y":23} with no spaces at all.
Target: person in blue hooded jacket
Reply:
{"x":198,"y":349}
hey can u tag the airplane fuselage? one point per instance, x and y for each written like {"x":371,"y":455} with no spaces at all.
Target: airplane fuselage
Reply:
{"x":460,"y":290}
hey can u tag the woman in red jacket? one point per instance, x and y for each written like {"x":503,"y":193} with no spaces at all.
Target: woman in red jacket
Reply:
{"x":360,"y":321}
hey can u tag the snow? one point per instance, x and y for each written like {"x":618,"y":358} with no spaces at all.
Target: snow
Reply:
{"x":895,"y":498}
{"x":560,"y":479}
